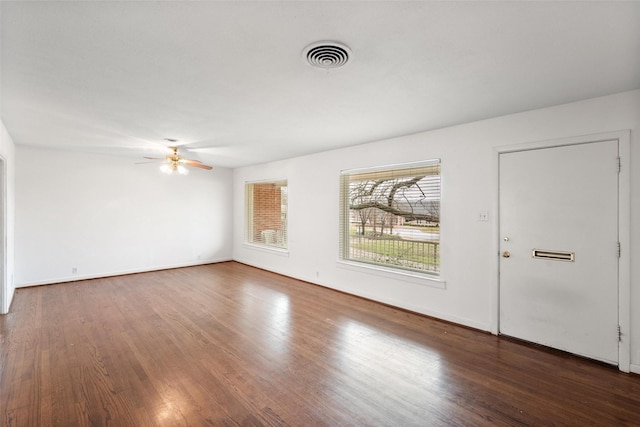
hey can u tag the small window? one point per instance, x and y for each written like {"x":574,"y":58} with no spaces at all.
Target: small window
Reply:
{"x":266,"y":213}
{"x":390,"y":216}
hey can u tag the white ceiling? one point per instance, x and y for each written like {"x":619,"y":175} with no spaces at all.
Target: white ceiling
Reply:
{"x":228,"y":80}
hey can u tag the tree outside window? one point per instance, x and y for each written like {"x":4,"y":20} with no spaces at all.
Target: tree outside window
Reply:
{"x":390,"y":216}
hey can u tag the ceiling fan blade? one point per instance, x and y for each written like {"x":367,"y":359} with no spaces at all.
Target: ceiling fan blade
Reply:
{"x":196,"y":164}
{"x":183,"y":160}
{"x":154,"y":158}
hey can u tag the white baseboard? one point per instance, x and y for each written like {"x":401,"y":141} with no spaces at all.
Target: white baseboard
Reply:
{"x":400,"y":304}
{"x":76,"y":277}
{"x":634,"y":368}
{"x":431,"y":313}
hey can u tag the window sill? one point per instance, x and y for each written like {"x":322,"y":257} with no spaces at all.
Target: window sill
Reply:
{"x":269,"y":249}
{"x":407,"y":276}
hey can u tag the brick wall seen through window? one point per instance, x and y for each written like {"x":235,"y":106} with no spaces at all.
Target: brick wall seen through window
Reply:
{"x":266,"y":214}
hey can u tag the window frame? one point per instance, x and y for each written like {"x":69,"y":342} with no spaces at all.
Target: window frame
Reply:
{"x":249,"y":216}
{"x":433,"y":277}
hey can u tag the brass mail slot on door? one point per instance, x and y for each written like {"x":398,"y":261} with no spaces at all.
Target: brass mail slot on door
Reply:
{"x":554,"y":255}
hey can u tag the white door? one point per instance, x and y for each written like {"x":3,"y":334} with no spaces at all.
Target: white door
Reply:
{"x":558,"y":248}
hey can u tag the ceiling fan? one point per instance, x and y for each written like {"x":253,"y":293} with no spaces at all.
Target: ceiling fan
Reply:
{"x":175,"y":163}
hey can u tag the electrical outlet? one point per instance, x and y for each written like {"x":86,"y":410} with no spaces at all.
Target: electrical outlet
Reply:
{"x":483,"y":216}
{"x":74,"y":270}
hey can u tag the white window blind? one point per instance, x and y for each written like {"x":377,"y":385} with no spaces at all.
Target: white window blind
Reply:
{"x":390,"y":216}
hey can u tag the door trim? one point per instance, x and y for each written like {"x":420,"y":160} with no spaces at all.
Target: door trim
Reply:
{"x":4,"y":280}
{"x":624,"y":229}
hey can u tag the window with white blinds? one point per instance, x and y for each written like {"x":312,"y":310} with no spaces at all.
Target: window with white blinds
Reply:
{"x":390,"y":216}
{"x":266,"y":213}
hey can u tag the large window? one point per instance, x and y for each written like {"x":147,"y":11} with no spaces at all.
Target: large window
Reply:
{"x":390,"y":216}
{"x":266,"y":213}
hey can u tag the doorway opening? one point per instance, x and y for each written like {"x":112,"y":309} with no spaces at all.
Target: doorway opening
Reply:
{"x":4,"y":285}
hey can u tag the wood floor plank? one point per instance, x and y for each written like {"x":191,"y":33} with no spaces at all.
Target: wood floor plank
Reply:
{"x":230,"y":345}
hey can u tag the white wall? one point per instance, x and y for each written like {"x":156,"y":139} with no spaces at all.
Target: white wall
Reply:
{"x":469,"y":171}
{"x":103,"y":215}
{"x":7,"y":152}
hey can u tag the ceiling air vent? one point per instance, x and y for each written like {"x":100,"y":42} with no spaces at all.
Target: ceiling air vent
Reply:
{"x":326,"y":54}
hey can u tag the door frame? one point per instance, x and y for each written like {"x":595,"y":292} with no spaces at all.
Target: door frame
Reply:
{"x":624,"y":229}
{"x":4,"y":281}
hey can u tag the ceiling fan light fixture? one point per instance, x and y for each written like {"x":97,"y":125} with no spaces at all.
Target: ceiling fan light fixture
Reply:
{"x":174,"y":164}
{"x":174,"y":168}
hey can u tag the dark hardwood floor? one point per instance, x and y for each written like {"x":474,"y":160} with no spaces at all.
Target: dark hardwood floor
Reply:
{"x":227,"y":344}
